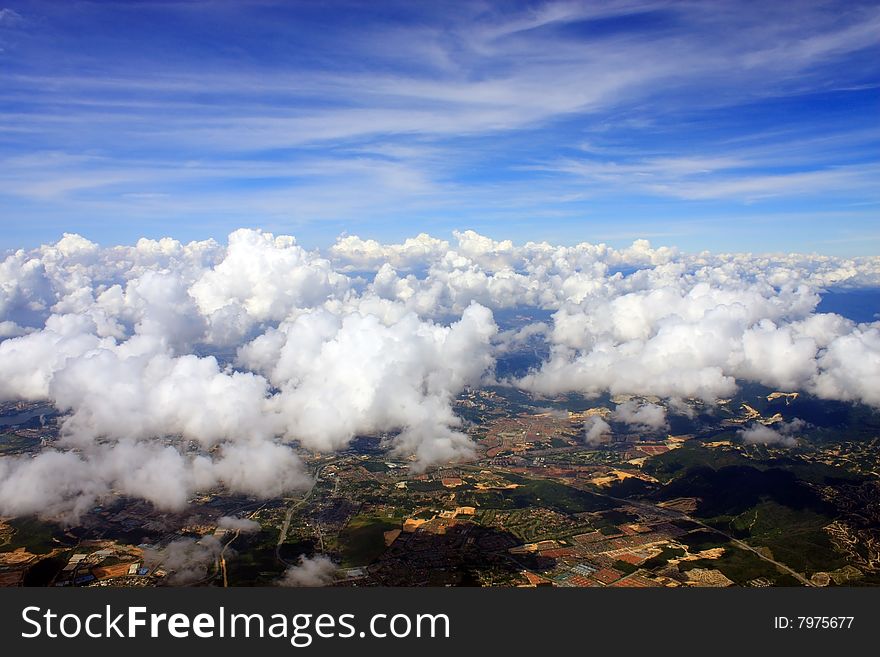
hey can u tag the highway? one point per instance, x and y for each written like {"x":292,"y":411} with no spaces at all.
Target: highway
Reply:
{"x":684,"y":516}
{"x":285,"y":526}
{"x":680,"y":515}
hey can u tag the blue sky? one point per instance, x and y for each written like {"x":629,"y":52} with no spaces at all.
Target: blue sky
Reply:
{"x":707,"y":125}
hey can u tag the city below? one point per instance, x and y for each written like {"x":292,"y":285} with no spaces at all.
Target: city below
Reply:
{"x":691,"y":504}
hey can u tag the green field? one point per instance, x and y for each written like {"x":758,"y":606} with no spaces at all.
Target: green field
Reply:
{"x":12,"y":444}
{"x":374,"y":466}
{"x":806,"y":550}
{"x":31,"y":534}
{"x":552,"y":495}
{"x":253,"y":562}
{"x":769,"y":502}
{"x":742,"y":566}
{"x":424,"y":486}
{"x":362,"y":540}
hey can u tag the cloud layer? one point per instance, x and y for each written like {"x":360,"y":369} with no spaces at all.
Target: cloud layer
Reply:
{"x":187,"y":367}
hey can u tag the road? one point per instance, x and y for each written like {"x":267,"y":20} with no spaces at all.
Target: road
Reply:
{"x":672,"y":513}
{"x":684,"y":516}
{"x":285,"y":526}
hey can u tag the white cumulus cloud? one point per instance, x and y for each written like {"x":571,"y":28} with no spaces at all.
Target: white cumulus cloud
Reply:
{"x":182,"y":368}
{"x":311,"y":571}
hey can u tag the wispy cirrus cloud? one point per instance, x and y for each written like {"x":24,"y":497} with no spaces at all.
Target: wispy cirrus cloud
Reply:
{"x":425,"y":113}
